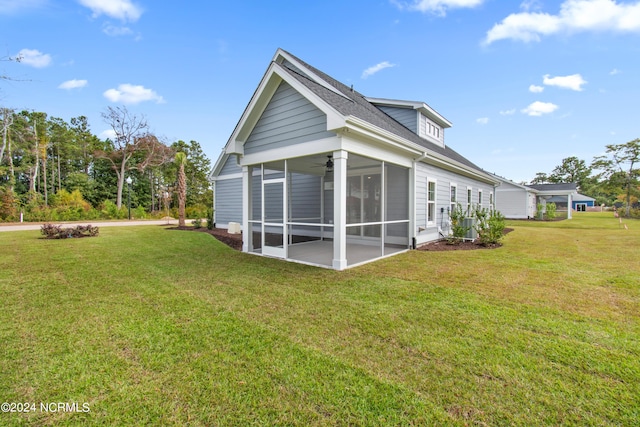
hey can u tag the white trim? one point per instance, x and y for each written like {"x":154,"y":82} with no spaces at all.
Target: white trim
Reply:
{"x":453,"y":203}
{"x":435,"y":203}
{"x":339,"y":209}
{"x":226,"y":177}
{"x":305,"y":149}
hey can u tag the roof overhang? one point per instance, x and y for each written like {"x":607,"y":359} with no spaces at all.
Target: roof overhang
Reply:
{"x":416,"y":105}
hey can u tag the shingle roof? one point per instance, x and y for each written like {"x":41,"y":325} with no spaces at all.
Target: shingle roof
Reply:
{"x":352,"y":103}
{"x":554,"y":187}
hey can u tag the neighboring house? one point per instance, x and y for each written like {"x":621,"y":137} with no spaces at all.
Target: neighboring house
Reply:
{"x":582,"y":203}
{"x":317,"y":173}
{"x":518,"y":201}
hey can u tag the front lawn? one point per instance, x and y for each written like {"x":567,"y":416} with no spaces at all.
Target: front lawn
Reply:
{"x":148,"y":326}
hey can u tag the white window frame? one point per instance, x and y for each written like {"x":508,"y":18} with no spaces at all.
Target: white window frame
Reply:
{"x":453,"y":196}
{"x":469,"y":201}
{"x":479,"y":198}
{"x":491,"y":201}
{"x":432,"y":203}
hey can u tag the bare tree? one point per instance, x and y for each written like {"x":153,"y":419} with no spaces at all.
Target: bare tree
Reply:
{"x":133,"y":146}
{"x":181,"y":161}
{"x":6,"y":120}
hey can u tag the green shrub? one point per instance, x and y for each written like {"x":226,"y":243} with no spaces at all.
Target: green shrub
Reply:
{"x":489,"y":226}
{"x":210,"y":223}
{"x":551,"y":211}
{"x":196,"y":211}
{"x":458,"y":230}
{"x":539,"y":211}
{"x":197,"y":223}
{"x":139,"y":213}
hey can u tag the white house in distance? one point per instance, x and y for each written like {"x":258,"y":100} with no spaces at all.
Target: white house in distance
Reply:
{"x":317,"y":173}
{"x":518,"y":201}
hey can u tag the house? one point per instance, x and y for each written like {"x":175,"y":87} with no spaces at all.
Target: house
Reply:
{"x":318,"y":173}
{"x":582,"y":203}
{"x":516,"y":201}
{"x":519,"y":201}
{"x":560,"y":194}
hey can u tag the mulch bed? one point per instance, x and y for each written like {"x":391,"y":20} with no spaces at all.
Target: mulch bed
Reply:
{"x":444,"y":245}
{"x":232,"y":240}
{"x":235,"y":240}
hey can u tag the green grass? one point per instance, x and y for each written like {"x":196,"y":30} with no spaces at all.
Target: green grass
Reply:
{"x":152,"y":327}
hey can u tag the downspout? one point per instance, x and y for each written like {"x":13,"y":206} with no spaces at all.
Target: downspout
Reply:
{"x":413,"y":199}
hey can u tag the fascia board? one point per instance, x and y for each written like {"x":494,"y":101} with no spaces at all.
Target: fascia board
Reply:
{"x":222,"y":158}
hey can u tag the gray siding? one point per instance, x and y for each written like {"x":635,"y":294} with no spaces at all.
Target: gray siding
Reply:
{"x":305,"y":198}
{"x":443,"y":179}
{"x":407,"y":117}
{"x":289,"y":119}
{"x":230,"y":167}
{"x":228,"y":201}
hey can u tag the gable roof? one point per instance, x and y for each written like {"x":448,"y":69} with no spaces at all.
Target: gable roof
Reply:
{"x":555,"y":187}
{"x":350,"y":102}
{"x":346,"y":107}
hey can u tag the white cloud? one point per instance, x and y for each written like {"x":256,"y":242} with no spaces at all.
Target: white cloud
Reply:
{"x":8,"y":7}
{"x":123,"y":10}
{"x":34,"y":57}
{"x":482,"y":120}
{"x":73,"y":84}
{"x":114,"y":31}
{"x":573,"y":82}
{"x":109,"y":133}
{"x":528,"y":5}
{"x":574,"y":16}
{"x":536,"y":89}
{"x":508,"y":112}
{"x":614,"y":72}
{"x":539,"y":108}
{"x":132,"y":94}
{"x":437,"y":7}
{"x":372,"y":70}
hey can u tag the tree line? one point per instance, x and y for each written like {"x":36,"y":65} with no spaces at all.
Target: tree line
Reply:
{"x":51,"y":169}
{"x":612,"y":178}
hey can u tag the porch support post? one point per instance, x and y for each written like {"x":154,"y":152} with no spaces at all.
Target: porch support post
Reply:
{"x":246,"y":205}
{"x":340,"y":209}
{"x":569,"y":206}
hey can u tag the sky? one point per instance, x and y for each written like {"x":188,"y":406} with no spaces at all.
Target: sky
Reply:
{"x":525,"y":83}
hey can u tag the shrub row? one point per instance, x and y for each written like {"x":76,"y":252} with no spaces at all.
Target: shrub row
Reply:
{"x":51,"y":231}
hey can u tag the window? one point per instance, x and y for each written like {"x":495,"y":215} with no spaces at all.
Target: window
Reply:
{"x":428,"y":128}
{"x":431,"y":202}
{"x":479,"y":199}
{"x":469,"y":207}
{"x":454,"y":197}
{"x":490,"y":200}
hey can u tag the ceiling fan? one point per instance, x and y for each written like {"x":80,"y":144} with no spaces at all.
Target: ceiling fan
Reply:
{"x":328,"y":165}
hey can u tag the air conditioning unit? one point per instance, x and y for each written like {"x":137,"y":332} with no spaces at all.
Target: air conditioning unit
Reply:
{"x":234,"y":228}
{"x":469,"y":224}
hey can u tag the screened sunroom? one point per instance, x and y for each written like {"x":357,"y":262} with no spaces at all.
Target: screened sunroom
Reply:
{"x":334,"y":209}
